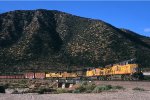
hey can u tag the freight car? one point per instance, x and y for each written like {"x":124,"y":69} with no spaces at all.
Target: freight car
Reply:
{"x":29,"y":75}
{"x":57,"y":75}
{"x":12,"y":76}
{"x":40,"y":75}
{"x":53,"y":75}
{"x":35,"y":75}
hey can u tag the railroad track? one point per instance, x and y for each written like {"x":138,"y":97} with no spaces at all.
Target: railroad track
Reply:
{"x":90,"y":80}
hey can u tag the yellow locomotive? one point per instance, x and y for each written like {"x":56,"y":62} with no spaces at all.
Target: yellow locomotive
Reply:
{"x":127,"y":70}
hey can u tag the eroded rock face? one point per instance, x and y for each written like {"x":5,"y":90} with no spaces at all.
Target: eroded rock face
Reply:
{"x":43,"y":39}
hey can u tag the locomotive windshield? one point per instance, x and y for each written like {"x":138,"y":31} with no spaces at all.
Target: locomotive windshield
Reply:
{"x":132,"y":61}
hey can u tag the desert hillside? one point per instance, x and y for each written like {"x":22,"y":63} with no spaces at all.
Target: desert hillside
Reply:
{"x":49,"y":39}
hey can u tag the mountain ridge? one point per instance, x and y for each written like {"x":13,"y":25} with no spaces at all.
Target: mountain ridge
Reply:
{"x":43,"y":39}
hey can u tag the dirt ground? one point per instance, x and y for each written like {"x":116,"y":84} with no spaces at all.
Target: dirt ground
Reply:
{"x":127,"y":84}
{"x":127,"y":94}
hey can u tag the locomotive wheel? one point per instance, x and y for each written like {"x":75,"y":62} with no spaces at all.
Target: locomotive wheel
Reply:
{"x":103,"y":78}
{"x":123,"y":77}
{"x":128,"y":77}
{"x":99,"y":78}
{"x":108,"y":78}
{"x":135,"y":78}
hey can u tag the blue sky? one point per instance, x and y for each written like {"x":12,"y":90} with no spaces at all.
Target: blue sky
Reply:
{"x":132,"y":15}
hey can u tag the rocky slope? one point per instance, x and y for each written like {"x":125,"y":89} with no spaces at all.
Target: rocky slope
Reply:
{"x":44,"y":39}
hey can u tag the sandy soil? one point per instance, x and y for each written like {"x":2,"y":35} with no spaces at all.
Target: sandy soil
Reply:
{"x":121,"y":95}
{"x":127,"y":94}
{"x":127,"y":84}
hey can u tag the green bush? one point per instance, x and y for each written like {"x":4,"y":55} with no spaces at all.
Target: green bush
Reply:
{"x":41,"y":91}
{"x":85,"y":88}
{"x":118,"y":87}
{"x":2,"y":89}
{"x":63,"y":91}
{"x":15,"y":92}
{"x":138,"y":89}
{"x":88,"y":91}
{"x":99,"y":89}
{"x":146,"y":77}
{"x":81,"y":88}
{"x":44,"y":90}
{"x":84,"y":83}
{"x":76,"y":91}
{"x":90,"y":87}
{"x":6,"y":85}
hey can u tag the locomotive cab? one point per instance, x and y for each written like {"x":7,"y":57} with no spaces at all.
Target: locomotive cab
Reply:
{"x":135,"y":70}
{"x":137,"y":73}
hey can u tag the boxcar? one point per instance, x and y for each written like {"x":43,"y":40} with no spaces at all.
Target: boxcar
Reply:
{"x":54,"y":75}
{"x":2,"y":77}
{"x":19,"y":76}
{"x":29,"y":75}
{"x":69,"y":75}
{"x":40,"y":75}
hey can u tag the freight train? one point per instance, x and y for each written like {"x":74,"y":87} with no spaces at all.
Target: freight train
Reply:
{"x":127,"y":70}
